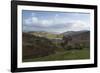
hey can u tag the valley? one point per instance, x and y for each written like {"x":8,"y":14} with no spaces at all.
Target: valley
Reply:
{"x":46,"y":46}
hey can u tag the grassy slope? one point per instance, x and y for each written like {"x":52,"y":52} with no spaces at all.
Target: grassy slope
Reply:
{"x":66,"y":55}
{"x":47,"y":35}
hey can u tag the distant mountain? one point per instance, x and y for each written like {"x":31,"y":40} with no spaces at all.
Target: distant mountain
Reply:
{"x":71,"y":33}
{"x":78,"y":34}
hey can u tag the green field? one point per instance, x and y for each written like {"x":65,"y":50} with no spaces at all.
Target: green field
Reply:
{"x":47,"y":35}
{"x":65,"y":55}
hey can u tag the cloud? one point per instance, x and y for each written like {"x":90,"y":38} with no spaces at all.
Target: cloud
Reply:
{"x":80,"y":25}
{"x":34,"y":20}
{"x":54,"y":24}
{"x":27,"y":22}
{"x":33,"y":14}
{"x":46,"y":23}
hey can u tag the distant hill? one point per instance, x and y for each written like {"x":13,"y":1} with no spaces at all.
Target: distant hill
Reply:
{"x":71,"y":33}
{"x":79,"y":35}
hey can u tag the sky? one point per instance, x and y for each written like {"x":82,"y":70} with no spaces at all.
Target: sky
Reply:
{"x":57,"y":22}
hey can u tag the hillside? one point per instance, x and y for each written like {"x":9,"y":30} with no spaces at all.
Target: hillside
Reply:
{"x":81,"y":38}
{"x":34,"y":46}
{"x":45,"y":46}
{"x":79,"y":35}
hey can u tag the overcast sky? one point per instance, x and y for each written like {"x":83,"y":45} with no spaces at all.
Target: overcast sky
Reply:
{"x":58,"y":22}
